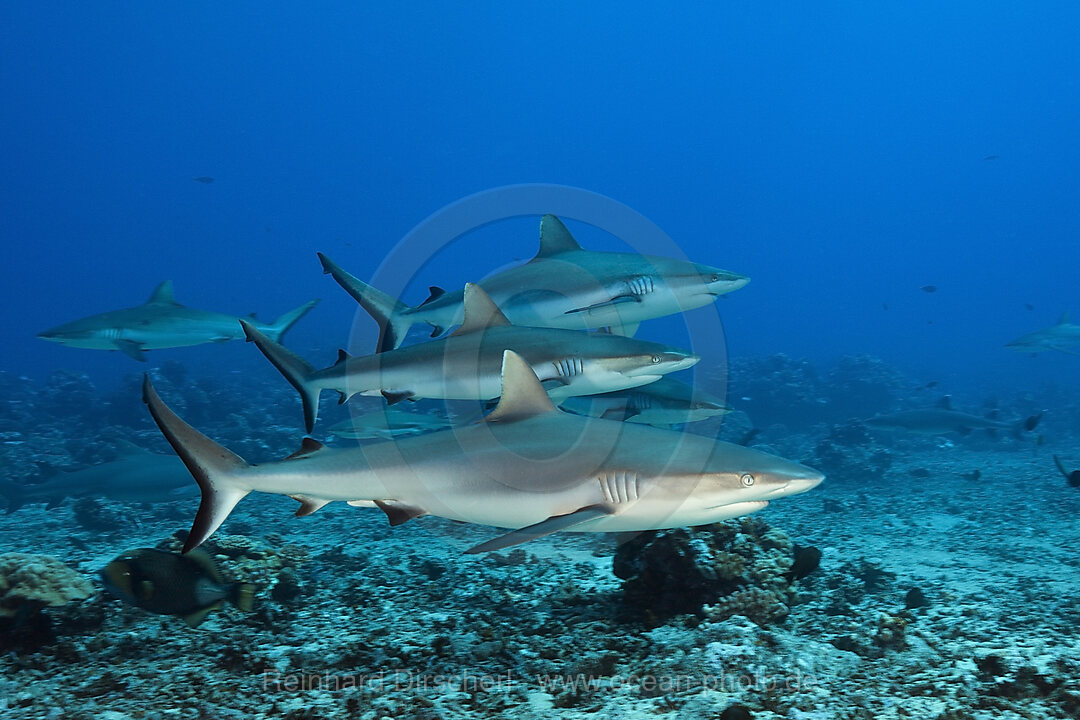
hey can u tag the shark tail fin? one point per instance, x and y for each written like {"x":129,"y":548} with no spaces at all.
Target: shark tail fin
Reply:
{"x":296,"y":370}
{"x":277,"y":329}
{"x":13,"y":493}
{"x":216,"y":469}
{"x":391,"y":314}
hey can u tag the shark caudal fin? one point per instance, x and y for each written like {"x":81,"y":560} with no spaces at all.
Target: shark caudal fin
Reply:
{"x":296,"y":370}
{"x":391,"y":314}
{"x":216,"y":469}
{"x":277,"y":329}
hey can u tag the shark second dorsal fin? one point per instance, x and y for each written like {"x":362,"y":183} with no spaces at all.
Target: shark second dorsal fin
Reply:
{"x":1064,"y":319}
{"x":555,"y":238}
{"x":522,"y":395}
{"x":162,"y":295}
{"x":945,"y":403}
{"x":307,"y":447}
{"x":481,"y":312}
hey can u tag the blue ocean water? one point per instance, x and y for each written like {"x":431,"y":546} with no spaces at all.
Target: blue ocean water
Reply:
{"x":899,"y":180}
{"x":841,"y":155}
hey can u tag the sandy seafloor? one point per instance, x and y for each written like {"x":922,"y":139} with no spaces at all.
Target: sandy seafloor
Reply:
{"x":409,"y":627}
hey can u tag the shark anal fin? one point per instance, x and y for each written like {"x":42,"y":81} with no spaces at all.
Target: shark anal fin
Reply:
{"x":399,"y":512}
{"x":308,"y":504}
{"x":395,"y":396}
{"x":130,"y":348}
{"x":554,"y":524}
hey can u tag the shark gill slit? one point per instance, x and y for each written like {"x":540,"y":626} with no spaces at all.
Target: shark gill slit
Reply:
{"x":619,"y":486}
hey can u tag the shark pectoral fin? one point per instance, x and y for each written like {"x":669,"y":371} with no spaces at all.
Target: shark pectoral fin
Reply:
{"x":399,"y":512}
{"x":130,"y":348}
{"x":395,"y":396}
{"x":617,"y":300}
{"x":54,"y":502}
{"x":309,"y":505}
{"x":554,"y":524}
{"x":624,"y":413}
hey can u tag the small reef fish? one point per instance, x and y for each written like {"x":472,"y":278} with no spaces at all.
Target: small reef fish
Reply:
{"x":166,"y":583}
{"x":161,"y":322}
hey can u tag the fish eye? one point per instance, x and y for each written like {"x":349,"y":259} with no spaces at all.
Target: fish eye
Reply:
{"x":746,"y":479}
{"x":656,"y":359}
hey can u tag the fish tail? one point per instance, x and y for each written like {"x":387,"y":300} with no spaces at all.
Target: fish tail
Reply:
{"x":217,"y":470}
{"x":13,"y":493}
{"x":296,"y":370}
{"x":1027,"y":425}
{"x":277,"y":329}
{"x":242,"y":595}
{"x":391,"y":314}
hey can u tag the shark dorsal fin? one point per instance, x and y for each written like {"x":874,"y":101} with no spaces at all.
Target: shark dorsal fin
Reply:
{"x":162,"y":295}
{"x":126,"y":448}
{"x":554,"y":237}
{"x":307,"y":447}
{"x":481,"y":312}
{"x":945,"y":403}
{"x":522,"y":395}
{"x":436,"y":292}
{"x":1064,"y":320}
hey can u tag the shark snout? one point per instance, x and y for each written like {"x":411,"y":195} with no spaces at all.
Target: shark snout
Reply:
{"x":665,"y":362}
{"x":721,"y":282}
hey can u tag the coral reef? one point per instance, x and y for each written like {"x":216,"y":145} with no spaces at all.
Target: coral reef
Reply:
{"x":739,"y":567}
{"x":29,"y":583}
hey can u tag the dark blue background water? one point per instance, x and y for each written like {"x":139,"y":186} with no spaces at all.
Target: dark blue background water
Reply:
{"x":841,"y":154}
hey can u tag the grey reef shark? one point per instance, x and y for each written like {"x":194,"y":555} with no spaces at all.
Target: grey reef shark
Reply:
{"x":466,"y":364}
{"x":665,"y":402}
{"x":943,"y":419}
{"x":136,"y":475}
{"x":1058,"y":337}
{"x":389,"y":422}
{"x":564,"y":286}
{"x":526,"y":466}
{"x":161,"y":322}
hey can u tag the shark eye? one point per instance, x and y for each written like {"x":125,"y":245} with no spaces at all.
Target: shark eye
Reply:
{"x":746,"y":479}
{"x":715,"y":278}
{"x":656,"y":359}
